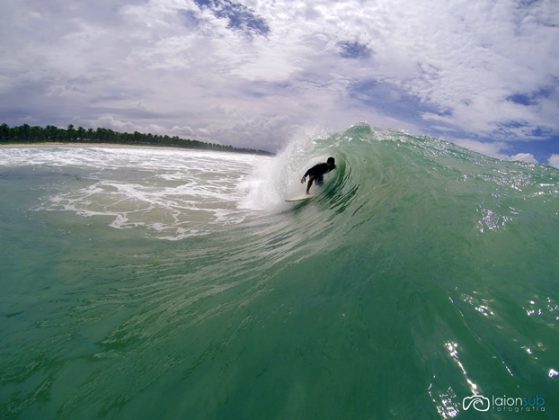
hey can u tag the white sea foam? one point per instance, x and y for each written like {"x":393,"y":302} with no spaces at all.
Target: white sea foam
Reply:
{"x":275,"y":179}
{"x":171,"y":193}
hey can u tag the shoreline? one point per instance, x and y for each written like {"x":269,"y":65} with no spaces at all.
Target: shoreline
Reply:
{"x":36,"y":136}
{"x":73,"y":145}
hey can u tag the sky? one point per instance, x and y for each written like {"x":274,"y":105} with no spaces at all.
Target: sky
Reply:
{"x":253,"y":73}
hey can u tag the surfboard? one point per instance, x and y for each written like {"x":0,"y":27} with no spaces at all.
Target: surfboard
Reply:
{"x":299,"y":198}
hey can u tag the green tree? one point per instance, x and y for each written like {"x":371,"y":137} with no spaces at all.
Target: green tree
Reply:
{"x":4,"y":131}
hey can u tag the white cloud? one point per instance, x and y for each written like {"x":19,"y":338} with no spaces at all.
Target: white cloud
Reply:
{"x":495,"y":149}
{"x":524,"y":157}
{"x":166,"y":64}
{"x":554,"y":160}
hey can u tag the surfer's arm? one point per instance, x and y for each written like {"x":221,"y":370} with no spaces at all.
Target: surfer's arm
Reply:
{"x":308,"y":174}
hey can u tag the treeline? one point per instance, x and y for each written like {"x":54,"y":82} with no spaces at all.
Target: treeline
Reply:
{"x":35,"y":134}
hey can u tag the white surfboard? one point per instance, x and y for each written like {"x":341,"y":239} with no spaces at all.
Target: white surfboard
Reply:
{"x":299,"y":198}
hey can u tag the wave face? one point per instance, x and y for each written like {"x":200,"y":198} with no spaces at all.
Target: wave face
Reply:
{"x":420,"y":274}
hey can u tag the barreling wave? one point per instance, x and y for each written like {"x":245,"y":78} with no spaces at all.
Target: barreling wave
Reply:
{"x":423,"y":258}
{"x":403,"y":191}
{"x":421,"y":274}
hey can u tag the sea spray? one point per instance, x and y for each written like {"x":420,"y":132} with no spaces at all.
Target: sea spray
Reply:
{"x":274,"y":179}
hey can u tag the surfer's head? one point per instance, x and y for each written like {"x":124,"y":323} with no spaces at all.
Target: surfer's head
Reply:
{"x":331,"y":163}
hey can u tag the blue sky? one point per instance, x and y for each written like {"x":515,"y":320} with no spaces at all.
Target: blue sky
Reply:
{"x":483,"y":74}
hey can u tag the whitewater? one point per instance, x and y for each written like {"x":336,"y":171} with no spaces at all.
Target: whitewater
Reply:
{"x":145,"y":282}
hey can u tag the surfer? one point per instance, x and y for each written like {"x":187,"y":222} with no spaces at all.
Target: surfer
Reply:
{"x":316,"y":173}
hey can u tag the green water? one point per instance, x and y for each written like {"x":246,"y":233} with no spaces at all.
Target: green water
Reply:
{"x":419,"y":275}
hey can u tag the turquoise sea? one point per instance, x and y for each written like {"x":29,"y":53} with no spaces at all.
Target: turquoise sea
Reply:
{"x":421,"y":282}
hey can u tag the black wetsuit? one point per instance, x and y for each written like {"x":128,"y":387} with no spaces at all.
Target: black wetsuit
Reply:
{"x":318,"y":171}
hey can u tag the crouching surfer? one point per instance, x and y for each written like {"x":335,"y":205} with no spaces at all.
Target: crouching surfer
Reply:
{"x":316,"y":173}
